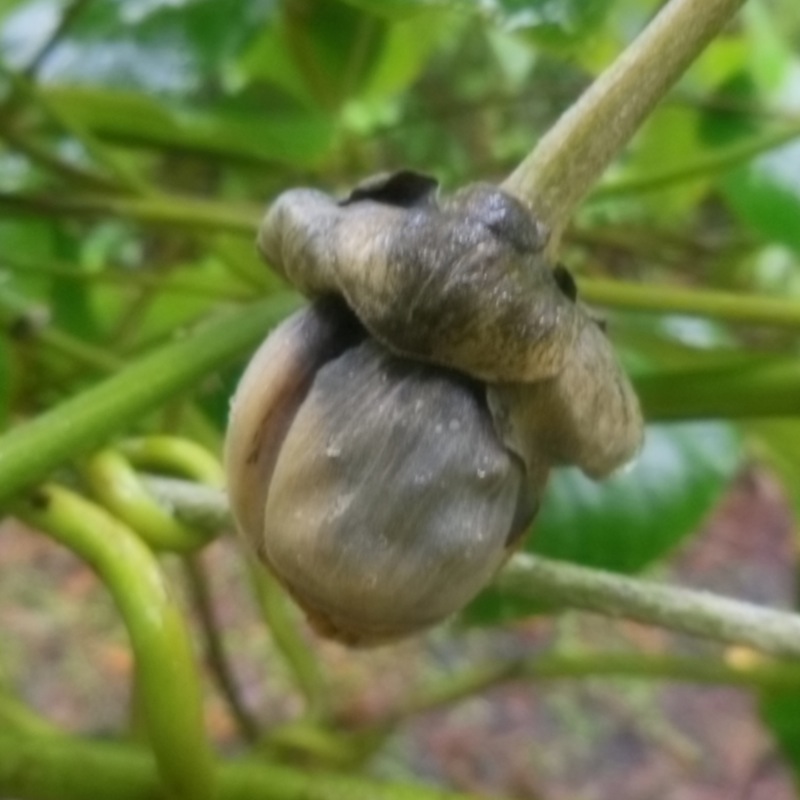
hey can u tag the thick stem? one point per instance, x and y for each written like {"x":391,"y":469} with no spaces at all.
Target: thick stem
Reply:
{"x":573,"y":154}
{"x":58,"y":768}
{"x":29,"y":452}
{"x":697,"y":613}
{"x":556,"y":582}
{"x":165,"y":669}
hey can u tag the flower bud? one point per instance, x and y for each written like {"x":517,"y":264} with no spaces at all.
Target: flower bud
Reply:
{"x":375,"y":488}
{"x":389,"y":445}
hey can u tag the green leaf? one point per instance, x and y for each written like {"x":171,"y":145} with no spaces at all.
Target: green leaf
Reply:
{"x":637,"y":516}
{"x":553,"y":23}
{"x":164,"y":48}
{"x":291,"y":137}
{"x":334,"y":47}
{"x":408,"y":46}
{"x":766,"y":195}
{"x":71,"y":301}
{"x":668,"y":140}
{"x":29,"y":452}
{"x":780,"y":712}
{"x":777,"y":441}
{"x":401,"y":9}
{"x":634,"y":518}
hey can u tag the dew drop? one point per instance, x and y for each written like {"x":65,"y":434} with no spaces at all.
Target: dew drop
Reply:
{"x":333,"y":451}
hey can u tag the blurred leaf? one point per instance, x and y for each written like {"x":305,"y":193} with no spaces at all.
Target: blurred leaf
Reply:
{"x":7,"y":383}
{"x":631,"y":519}
{"x":400,"y":9}
{"x":554,"y":23}
{"x":728,"y":118}
{"x":766,"y":195}
{"x":668,"y":140}
{"x":407,"y":48}
{"x":725,"y":59}
{"x":334,"y":47}
{"x":634,"y":518}
{"x":71,"y":300}
{"x":770,"y":55}
{"x":777,"y":441}
{"x":780,"y":712}
{"x":133,"y":118}
{"x":156,"y":46}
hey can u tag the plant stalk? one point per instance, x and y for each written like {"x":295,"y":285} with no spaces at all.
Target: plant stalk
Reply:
{"x":60,"y":768}
{"x":573,"y":154}
{"x":31,"y":451}
{"x":566,"y":585}
{"x":697,"y":613}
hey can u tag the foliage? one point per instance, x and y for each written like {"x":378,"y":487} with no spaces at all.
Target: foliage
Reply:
{"x":140,"y":140}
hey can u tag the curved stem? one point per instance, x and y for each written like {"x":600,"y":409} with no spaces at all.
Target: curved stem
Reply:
{"x":176,"y":455}
{"x":29,"y":452}
{"x":113,"y":480}
{"x":572,"y":155}
{"x":302,"y":663}
{"x":160,"y":640}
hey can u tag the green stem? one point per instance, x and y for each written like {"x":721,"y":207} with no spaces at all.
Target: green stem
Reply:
{"x":202,"y":506}
{"x":572,"y":155}
{"x":216,"y":658}
{"x":40,"y":768}
{"x":776,"y":312}
{"x":537,"y":579}
{"x":176,"y":456}
{"x":32,"y":450}
{"x":117,"y":485}
{"x":769,"y":387}
{"x":299,"y":658}
{"x":455,"y":688}
{"x":21,"y":318}
{"x":171,"y":211}
{"x":15,"y":716}
{"x":712,"y":164}
{"x":160,"y":640}
{"x":116,"y":167}
{"x":71,"y":12}
{"x":165,"y":283}
{"x":72,"y":173}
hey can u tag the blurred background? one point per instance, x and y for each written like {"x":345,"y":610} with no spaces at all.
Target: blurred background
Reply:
{"x":140,"y":142}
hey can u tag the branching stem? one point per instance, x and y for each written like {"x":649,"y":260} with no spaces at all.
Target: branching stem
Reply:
{"x":567,"y":585}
